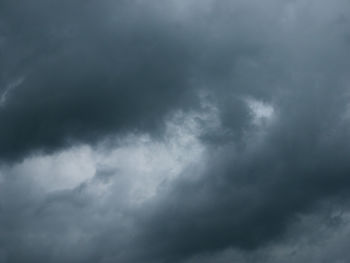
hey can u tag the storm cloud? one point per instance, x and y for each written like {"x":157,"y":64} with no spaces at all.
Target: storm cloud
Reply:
{"x":174,"y":131}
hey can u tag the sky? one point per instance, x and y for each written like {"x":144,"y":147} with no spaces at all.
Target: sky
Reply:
{"x":174,"y":131}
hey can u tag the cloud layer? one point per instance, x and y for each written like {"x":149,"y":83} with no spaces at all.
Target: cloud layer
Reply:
{"x":174,"y":131}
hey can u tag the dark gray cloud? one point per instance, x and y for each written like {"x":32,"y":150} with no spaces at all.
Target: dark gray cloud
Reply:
{"x":78,"y":72}
{"x":253,"y":190}
{"x":84,"y":75}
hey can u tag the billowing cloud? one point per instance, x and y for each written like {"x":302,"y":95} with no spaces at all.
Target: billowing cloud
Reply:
{"x":174,"y":131}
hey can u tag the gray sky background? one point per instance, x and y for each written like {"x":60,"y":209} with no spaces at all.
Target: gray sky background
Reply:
{"x":174,"y":131}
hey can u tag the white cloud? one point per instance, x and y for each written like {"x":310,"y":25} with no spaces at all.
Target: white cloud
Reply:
{"x":261,"y":111}
{"x":136,"y":166}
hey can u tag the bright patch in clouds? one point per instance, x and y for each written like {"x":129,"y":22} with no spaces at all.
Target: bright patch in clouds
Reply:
{"x":138,"y":164}
{"x":260,"y":111}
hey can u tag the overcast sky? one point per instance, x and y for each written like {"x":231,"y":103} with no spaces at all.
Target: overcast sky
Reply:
{"x":174,"y":131}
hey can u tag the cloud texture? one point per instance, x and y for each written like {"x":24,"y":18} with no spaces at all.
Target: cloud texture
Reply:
{"x":174,"y":131}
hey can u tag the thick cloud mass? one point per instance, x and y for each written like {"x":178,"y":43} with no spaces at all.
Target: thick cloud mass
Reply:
{"x":83,"y":76}
{"x":174,"y":131}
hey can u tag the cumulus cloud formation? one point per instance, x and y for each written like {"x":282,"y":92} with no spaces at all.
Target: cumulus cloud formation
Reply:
{"x":174,"y":131}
